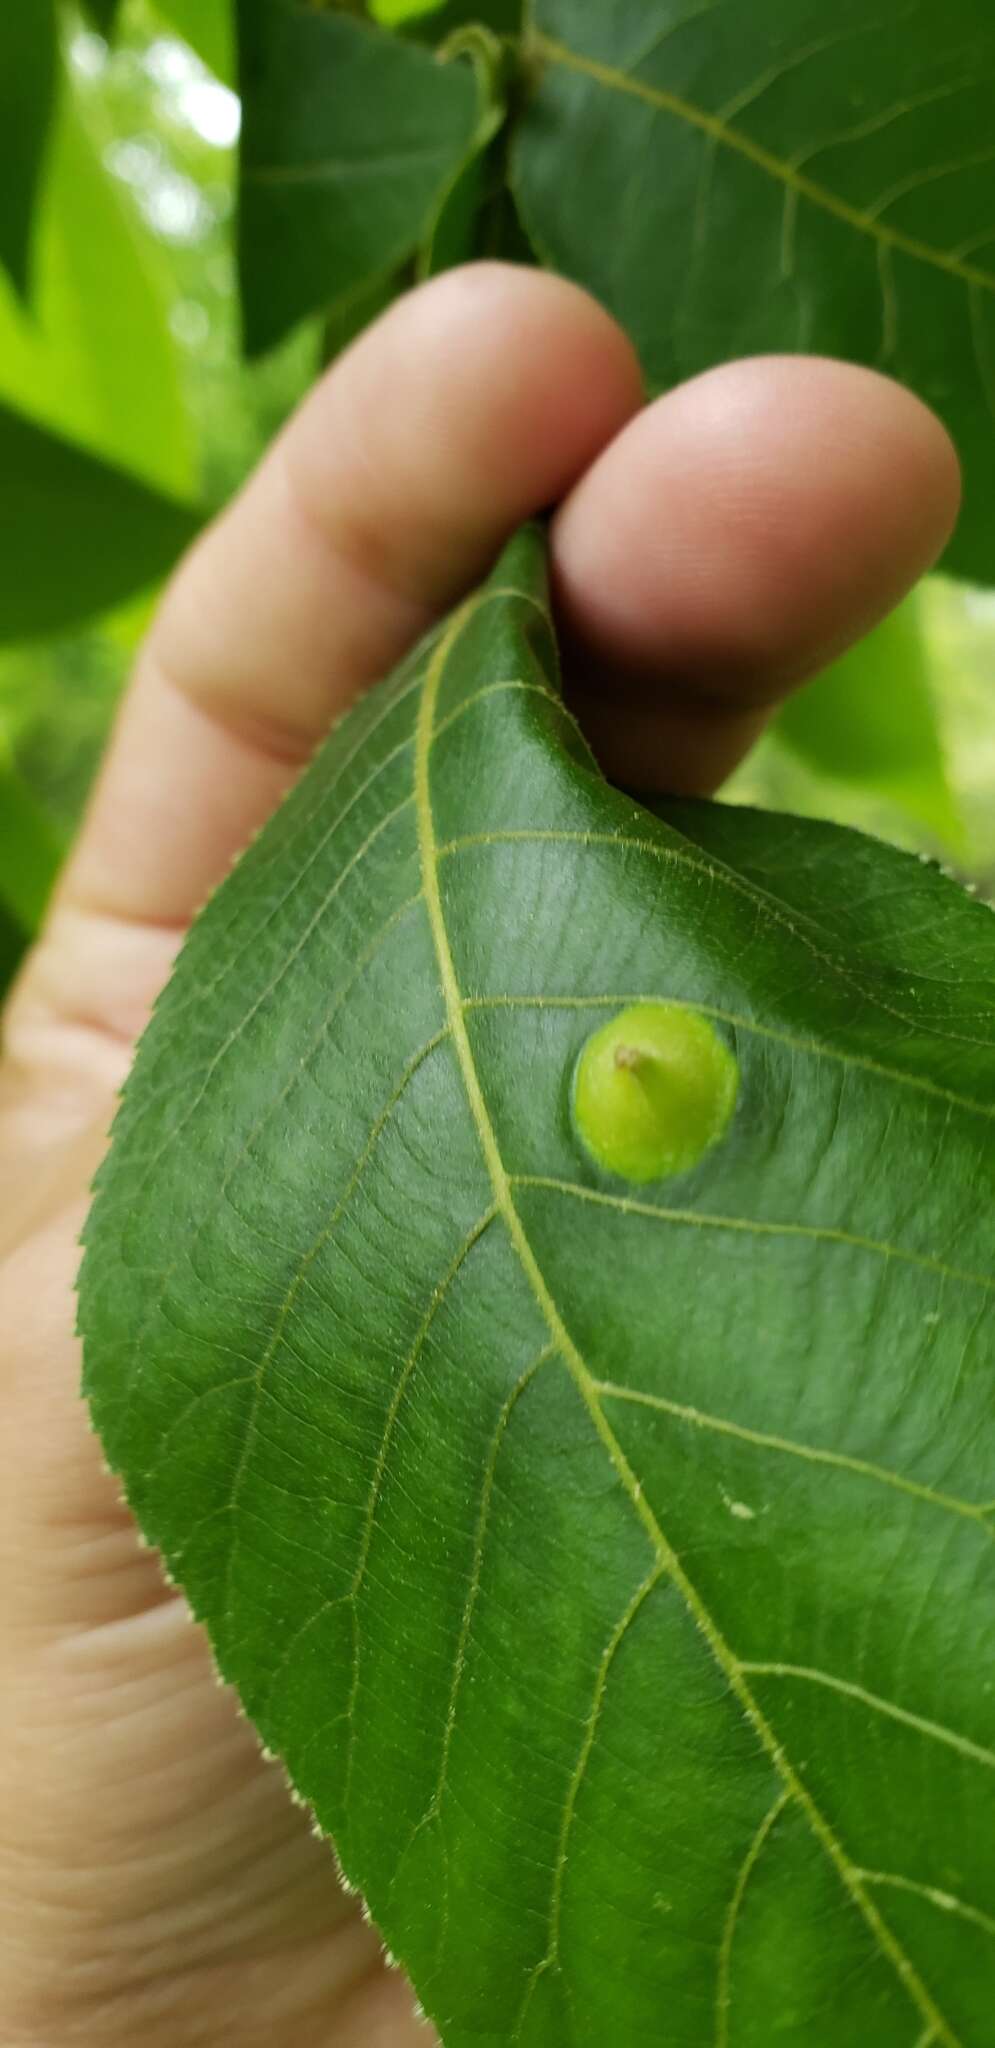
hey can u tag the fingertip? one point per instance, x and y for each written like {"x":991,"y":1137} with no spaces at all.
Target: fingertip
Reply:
{"x":514,"y":381}
{"x":735,"y":538}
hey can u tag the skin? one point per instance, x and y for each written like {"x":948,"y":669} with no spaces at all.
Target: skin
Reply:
{"x":709,"y":553}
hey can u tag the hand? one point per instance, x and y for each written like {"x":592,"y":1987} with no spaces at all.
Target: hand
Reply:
{"x":708,"y":553}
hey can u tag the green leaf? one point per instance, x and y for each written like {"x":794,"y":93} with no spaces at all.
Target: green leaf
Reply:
{"x":209,"y":27}
{"x":612,"y":1569}
{"x":349,"y":315}
{"x":435,"y":23}
{"x":103,"y":14}
{"x":350,"y":139}
{"x":12,"y":945}
{"x":461,"y":217}
{"x":27,"y":96}
{"x":75,"y":535}
{"x":30,"y":848}
{"x":94,"y":358}
{"x":395,"y":13}
{"x":870,"y":720}
{"x":814,"y":176}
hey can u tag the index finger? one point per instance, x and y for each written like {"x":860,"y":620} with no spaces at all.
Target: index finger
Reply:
{"x":471,"y":405}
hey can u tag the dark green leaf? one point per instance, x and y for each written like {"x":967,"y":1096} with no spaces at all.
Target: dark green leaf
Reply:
{"x":27,"y":96}
{"x":870,"y":720}
{"x":12,"y":944}
{"x":103,"y":14}
{"x":778,"y":175}
{"x":458,"y":225}
{"x":348,"y":316}
{"x":30,"y":848}
{"x":612,"y":1568}
{"x":75,"y":534}
{"x":350,"y":139}
{"x":435,"y":24}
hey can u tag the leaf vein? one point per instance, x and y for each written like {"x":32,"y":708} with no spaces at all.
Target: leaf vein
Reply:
{"x":935,"y":1731}
{"x":763,"y":159}
{"x":864,"y":1468}
{"x":739,"y":1023}
{"x":663,"y":1551}
{"x":628,"y":1205}
{"x":723,"y":2001}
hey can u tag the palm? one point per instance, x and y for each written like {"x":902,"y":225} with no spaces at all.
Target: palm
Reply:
{"x":179,"y":1870}
{"x":163,"y":1886}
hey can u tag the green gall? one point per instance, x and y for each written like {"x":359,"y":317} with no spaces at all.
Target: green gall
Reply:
{"x":653,"y":1090}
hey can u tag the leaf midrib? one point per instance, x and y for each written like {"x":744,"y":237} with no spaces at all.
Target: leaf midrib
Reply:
{"x":547,"y":48}
{"x":585,"y":1381}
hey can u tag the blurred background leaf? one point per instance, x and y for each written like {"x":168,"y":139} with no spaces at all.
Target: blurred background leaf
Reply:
{"x":27,"y":96}
{"x":93,"y":356}
{"x":434,"y":20}
{"x":316,"y":224}
{"x":75,"y":534}
{"x":103,"y":14}
{"x":871,"y":721}
{"x":30,"y":848}
{"x":208,"y":27}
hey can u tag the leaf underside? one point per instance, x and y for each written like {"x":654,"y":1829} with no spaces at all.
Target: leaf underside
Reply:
{"x":781,"y":176}
{"x":613,"y":1573}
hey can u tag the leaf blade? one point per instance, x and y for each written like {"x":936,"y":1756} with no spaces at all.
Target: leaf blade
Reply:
{"x":325,"y":205}
{"x":93,"y":358}
{"x":110,"y":533}
{"x":759,"y":208}
{"x":27,"y":80}
{"x":563,"y":1516}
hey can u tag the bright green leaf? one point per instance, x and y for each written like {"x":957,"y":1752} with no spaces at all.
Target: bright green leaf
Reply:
{"x":350,"y":139}
{"x":871,"y":720}
{"x":27,"y":95}
{"x":75,"y":535}
{"x":209,"y":27}
{"x":613,"y":1572}
{"x":779,"y":175}
{"x":93,"y":358}
{"x":391,"y":13}
{"x":30,"y":848}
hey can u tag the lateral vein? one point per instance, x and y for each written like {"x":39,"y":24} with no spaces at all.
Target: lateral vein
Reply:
{"x":584,"y":1380}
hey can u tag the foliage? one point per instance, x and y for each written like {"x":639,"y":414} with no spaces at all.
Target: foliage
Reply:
{"x":110,"y":532}
{"x":610,"y":1567}
{"x":27,"y":91}
{"x":669,"y":1698}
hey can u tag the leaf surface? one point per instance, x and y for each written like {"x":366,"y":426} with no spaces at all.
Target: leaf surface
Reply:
{"x":351,"y":138}
{"x":611,"y":1567}
{"x":76,"y":535}
{"x":30,"y":848}
{"x":870,"y":720}
{"x":816,"y":177}
{"x":92,"y":356}
{"x":103,"y":14}
{"x":27,"y":96}
{"x":208,"y":26}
